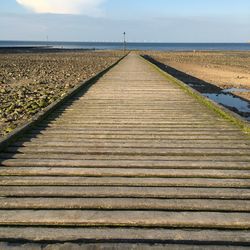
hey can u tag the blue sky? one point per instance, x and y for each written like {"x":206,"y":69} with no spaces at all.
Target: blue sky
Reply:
{"x":143,"y":20}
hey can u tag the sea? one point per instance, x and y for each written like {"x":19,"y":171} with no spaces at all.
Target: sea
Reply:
{"x":131,"y":46}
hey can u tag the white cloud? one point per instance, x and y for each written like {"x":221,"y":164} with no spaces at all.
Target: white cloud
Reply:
{"x":86,"y":7}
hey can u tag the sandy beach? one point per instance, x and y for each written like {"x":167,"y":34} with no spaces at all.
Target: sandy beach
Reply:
{"x":29,"y":82}
{"x":227,"y":69}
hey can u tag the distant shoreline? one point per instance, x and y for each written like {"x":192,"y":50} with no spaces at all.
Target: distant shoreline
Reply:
{"x":38,"y":49}
{"x":10,"y":45}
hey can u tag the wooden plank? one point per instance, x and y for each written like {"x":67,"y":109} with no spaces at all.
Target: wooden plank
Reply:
{"x":121,"y":181}
{"x":184,"y":135}
{"x":125,"y":144}
{"x":130,"y":123}
{"x":137,"y":128}
{"x":128,"y":151}
{"x":40,"y":139}
{"x":212,"y":237}
{"x":126,"y":204}
{"x":132,"y":172}
{"x":120,"y":246}
{"x":203,"y":160}
{"x":126,"y":192}
{"x":47,"y":124}
{"x":124,"y":115}
{"x":154,"y":219}
{"x":147,"y":162}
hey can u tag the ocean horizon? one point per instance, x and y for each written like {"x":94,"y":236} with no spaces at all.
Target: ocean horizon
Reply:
{"x":130,"y":45}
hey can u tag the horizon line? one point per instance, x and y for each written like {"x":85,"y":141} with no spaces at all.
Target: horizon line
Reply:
{"x":119,"y":42}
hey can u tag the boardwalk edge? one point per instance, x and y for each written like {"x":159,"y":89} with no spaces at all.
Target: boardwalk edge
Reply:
{"x":19,"y":131}
{"x":217,"y":108}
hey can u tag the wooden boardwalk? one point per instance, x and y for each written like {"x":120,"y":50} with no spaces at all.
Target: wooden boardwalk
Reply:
{"x":135,"y":159}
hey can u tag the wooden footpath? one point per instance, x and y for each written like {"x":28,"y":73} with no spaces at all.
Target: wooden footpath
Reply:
{"x":134,"y":159}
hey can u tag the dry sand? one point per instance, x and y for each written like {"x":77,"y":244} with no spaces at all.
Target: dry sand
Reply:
{"x":224,"y":69}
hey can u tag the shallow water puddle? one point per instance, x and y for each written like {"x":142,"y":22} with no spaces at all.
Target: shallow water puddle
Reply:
{"x":235,"y":90}
{"x":230,"y":101}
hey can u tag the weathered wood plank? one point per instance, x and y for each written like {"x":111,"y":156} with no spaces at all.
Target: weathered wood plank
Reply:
{"x":132,"y":151}
{"x":126,"y":204}
{"x":126,"y":192}
{"x":51,"y":180}
{"x":96,"y":161}
{"x":120,"y":246}
{"x":212,"y":237}
{"x":154,"y":219}
{"x":132,"y":172}
{"x":126,"y":144}
{"x":207,"y":160}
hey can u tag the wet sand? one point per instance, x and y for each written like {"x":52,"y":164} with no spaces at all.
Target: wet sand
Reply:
{"x":30,"y":81}
{"x":224,"y":69}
